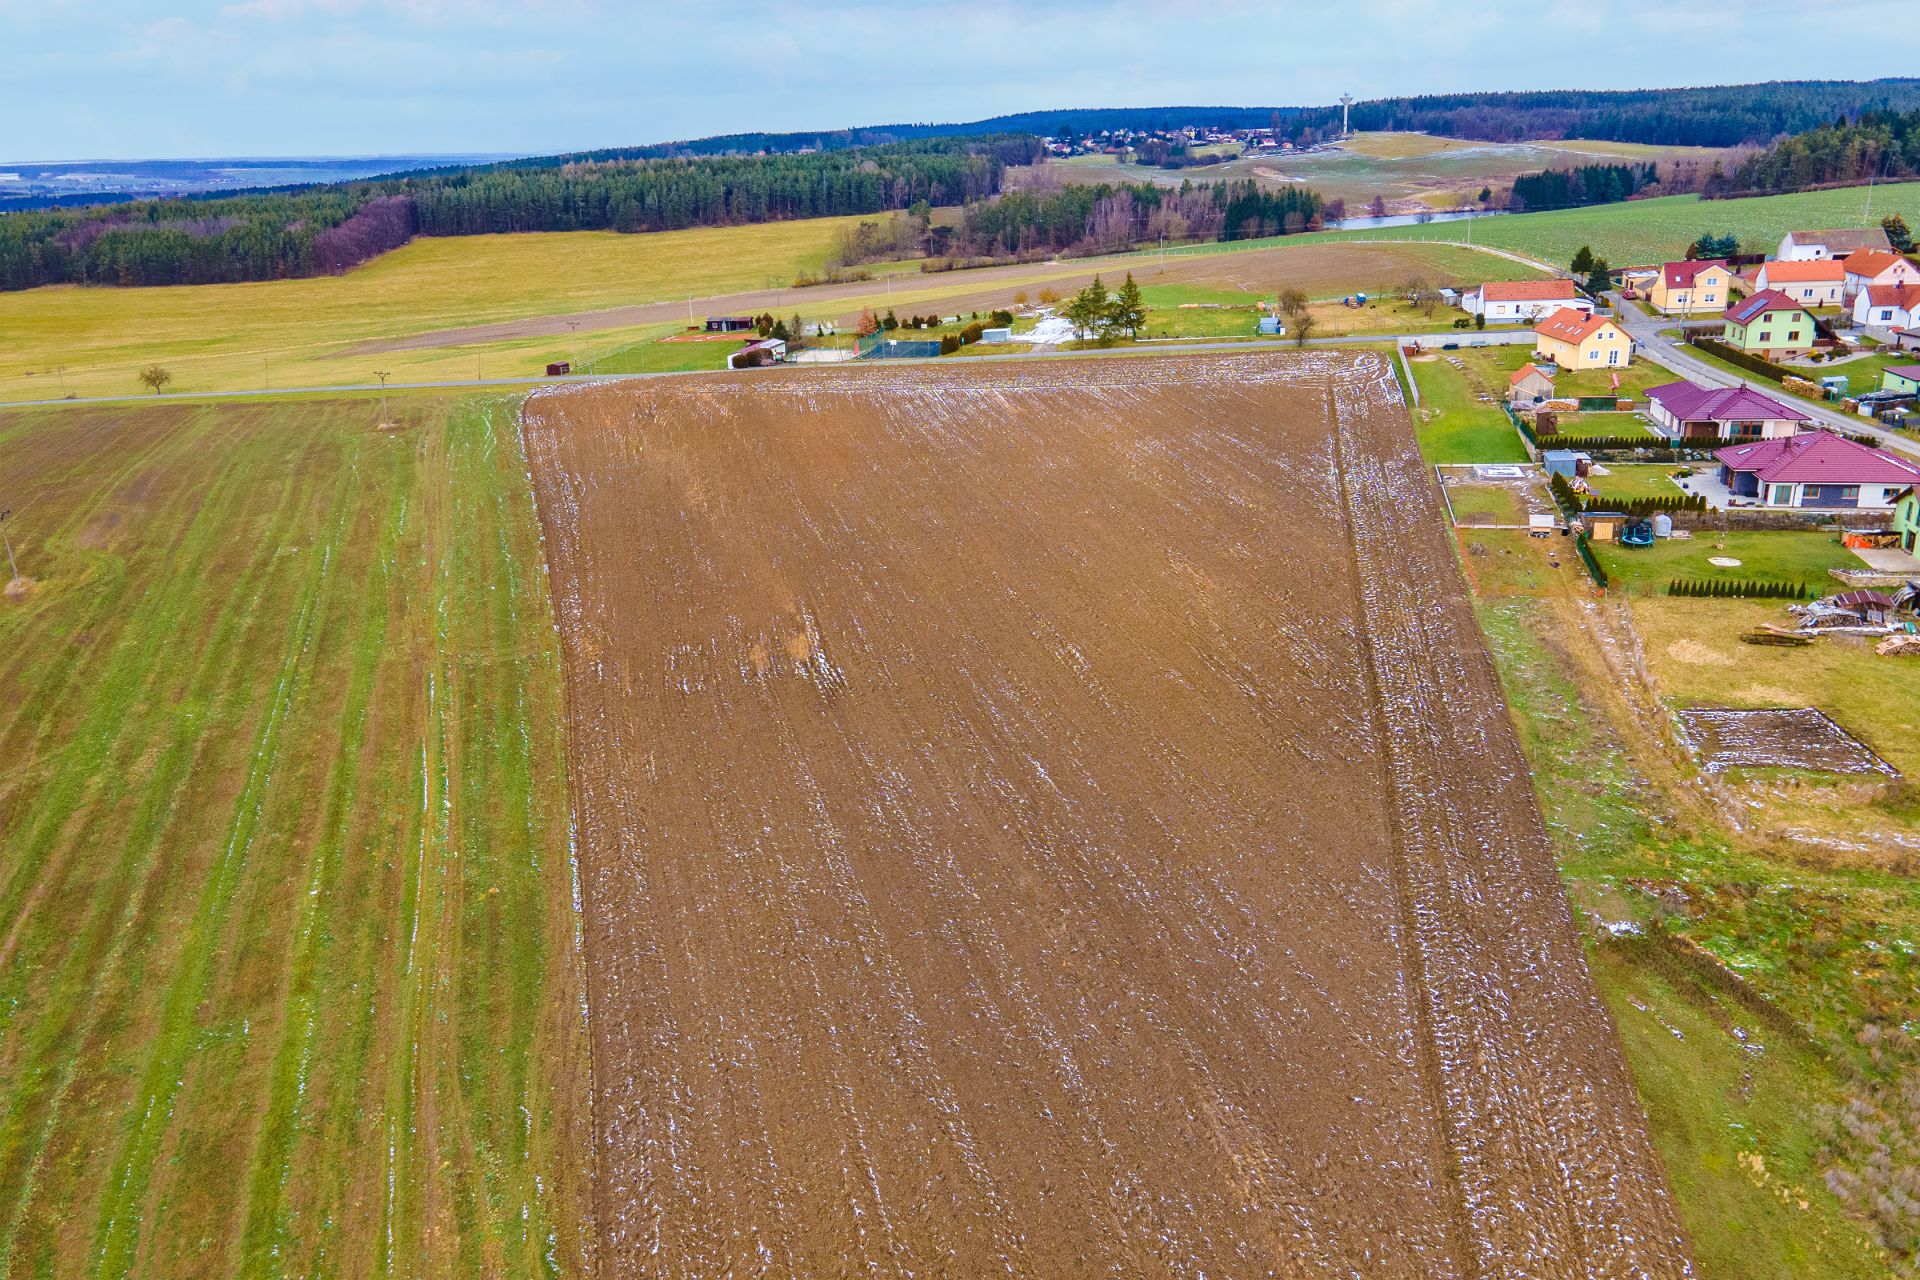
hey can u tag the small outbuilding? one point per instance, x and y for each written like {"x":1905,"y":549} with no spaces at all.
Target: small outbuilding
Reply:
{"x":1604,"y":526}
{"x":1529,"y":385}
{"x":730,"y":324}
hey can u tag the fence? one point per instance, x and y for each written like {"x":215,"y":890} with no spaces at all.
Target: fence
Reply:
{"x":878,"y":346}
{"x":1594,"y":570}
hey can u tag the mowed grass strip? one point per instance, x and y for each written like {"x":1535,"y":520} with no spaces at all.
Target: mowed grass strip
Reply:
{"x":288,"y":961}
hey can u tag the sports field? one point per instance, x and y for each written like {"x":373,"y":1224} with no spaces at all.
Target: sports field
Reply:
{"x":1060,"y":820}
{"x":288,"y":979}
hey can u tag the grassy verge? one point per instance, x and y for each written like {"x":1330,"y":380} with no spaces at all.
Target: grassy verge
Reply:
{"x":1784,"y":556}
{"x":290,"y":983}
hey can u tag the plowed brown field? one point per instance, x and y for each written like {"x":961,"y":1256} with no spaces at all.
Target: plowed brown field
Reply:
{"x":1061,"y":821}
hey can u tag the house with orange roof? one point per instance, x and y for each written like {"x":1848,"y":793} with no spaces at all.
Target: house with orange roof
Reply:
{"x":1869,"y":267}
{"x":1815,"y":282}
{"x":1575,"y":340}
{"x":1887,"y":306}
{"x":1511,"y":301}
{"x":1690,"y":288}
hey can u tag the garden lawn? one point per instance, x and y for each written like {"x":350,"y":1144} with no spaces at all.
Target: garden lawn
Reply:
{"x":1784,"y":556}
{"x":1453,"y":424}
{"x":1625,"y":481}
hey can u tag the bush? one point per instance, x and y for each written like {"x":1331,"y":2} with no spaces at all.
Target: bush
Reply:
{"x":1739,"y":589}
{"x":1001,"y":319}
{"x":972,"y":332}
{"x":949,"y":343}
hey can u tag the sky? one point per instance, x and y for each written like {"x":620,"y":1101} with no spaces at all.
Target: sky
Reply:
{"x":116,"y":79}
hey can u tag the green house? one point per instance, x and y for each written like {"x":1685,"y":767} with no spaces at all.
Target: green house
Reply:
{"x":1904,"y":378}
{"x":1769,"y":325}
{"x":1906,"y":518}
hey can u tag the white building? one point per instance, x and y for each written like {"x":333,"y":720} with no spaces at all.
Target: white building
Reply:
{"x":1512,"y":301}
{"x":1814,"y":246}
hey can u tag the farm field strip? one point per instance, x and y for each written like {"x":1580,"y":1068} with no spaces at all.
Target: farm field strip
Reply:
{"x":986,"y":862}
{"x":288,"y":976}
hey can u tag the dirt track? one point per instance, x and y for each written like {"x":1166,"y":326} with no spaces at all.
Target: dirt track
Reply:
{"x":1315,"y":268}
{"x":1061,"y":821}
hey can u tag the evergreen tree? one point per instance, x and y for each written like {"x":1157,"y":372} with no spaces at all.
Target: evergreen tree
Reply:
{"x":1582,"y":263}
{"x":1129,"y":311}
{"x":1897,"y":234}
{"x":1089,"y":310}
{"x":1600,"y":277}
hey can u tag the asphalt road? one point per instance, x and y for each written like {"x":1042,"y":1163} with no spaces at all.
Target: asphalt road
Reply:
{"x":1645,"y":330}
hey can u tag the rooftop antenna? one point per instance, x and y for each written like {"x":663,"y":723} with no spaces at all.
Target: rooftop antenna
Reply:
{"x":1346,"y":108}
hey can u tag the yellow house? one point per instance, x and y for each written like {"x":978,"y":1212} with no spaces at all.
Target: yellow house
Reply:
{"x":1576,"y":340}
{"x":1704,"y":287}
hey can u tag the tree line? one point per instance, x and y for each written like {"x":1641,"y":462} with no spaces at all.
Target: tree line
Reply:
{"x":276,"y":235}
{"x":1109,"y":217}
{"x":1584,"y":185}
{"x":1878,"y":145}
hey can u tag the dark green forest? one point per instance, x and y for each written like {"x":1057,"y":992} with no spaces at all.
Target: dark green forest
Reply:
{"x":1877,"y":145}
{"x":274,"y":235}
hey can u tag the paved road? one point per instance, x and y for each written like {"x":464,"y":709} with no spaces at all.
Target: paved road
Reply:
{"x":1645,"y":330}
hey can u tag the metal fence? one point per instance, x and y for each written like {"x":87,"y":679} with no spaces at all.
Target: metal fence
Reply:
{"x":878,"y":346}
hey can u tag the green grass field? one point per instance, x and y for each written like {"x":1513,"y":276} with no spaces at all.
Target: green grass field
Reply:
{"x":1453,"y":424}
{"x":92,"y":341}
{"x":290,"y":974}
{"x":1781,"y":556}
{"x":1650,"y":231}
{"x":1625,"y":481}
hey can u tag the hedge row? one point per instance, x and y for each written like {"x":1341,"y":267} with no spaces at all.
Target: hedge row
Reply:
{"x":1739,"y":589}
{"x":1735,"y":356}
{"x":1646,"y":506}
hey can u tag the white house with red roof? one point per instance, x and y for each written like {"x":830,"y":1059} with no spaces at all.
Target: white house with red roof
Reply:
{"x":1815,"y":470}
{"x":1508,"y":301}
{"x":1689,"y":411}
{"x":1887,"y":306}
{"x":1869,"y":267}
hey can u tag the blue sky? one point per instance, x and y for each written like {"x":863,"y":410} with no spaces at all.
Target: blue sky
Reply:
{"x":116,"y":79}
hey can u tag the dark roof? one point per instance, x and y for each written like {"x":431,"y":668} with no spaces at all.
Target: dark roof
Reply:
{"x":1760,"y":304}
{"x":1817,"y":457}
{"x":1691,"y":402}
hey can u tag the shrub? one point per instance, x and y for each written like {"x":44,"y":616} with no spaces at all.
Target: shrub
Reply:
{"x":1002,"y":318}
{"x":1739,"y":589}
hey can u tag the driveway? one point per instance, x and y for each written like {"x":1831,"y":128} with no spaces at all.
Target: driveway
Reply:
{"x":1645,"y":331}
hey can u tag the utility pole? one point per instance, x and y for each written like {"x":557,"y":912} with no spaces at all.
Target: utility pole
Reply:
{"x":13,"y":570}
{"x":383,"y":375}
{"x":573,"y":342}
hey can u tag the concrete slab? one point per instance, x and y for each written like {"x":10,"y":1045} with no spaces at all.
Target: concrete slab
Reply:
{"x":1889,"y":560}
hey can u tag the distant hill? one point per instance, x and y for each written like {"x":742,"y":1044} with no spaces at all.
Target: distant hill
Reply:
{"x":48,"y":184}
{"x":1714,"y":116}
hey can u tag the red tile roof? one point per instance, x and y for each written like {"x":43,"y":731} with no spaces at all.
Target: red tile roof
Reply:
{"x":1679,"y":275}
{"x":1568,"y":325}
{"x":1521,"y":374}
{"x":1903,"y":296}
{"x":1815,"y":271}
{"x":1817,"y":457}
{"x":1691,"y":402}
{"x":1870,"y":263}
{"x":1750,"y":309}
{"x":1528,"y":290}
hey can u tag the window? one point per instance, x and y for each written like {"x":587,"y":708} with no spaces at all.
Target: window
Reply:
{"x":1782,"y":495}
{"x":1706,"y":297}
{"x":1613,"y":357}
{"x":1766,"y":336}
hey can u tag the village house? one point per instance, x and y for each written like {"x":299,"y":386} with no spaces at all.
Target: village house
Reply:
{"x":1907,"y":339}
{"x":1686,"y":288}
{"x":1688,"y":411}
{"x":1815,"y":469}
{"x":1528,"y":386}
{"x":1869,"y":267}
{"x":1903,"y":378}
{"x":1769,"y":325}
{"x":1576,"y":340}
{"x":1887,"y":306}
{"x":1509,"y":301}
{"x":1906,"y":518}
{"x":1813,"y":246}
{"x":1812,"y":283}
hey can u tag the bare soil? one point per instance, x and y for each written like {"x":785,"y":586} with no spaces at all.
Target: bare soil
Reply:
{"x":1784,"y":737}
{"x":1061,"y":820}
